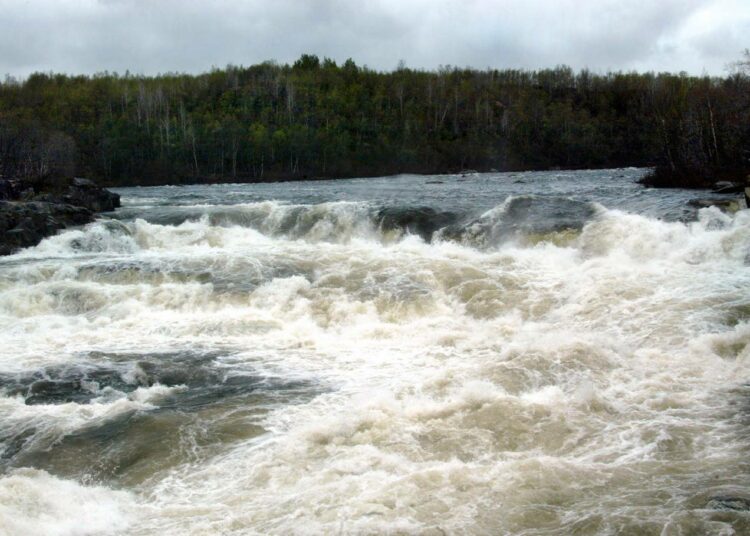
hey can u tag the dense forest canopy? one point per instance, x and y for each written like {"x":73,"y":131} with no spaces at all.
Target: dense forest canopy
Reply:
{"x":319,"y":119}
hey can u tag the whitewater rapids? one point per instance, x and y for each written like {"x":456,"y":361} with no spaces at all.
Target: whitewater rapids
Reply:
{"x":547,"y":364}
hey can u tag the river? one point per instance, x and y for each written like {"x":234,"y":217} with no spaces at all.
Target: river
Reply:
{"x":503,"y":353}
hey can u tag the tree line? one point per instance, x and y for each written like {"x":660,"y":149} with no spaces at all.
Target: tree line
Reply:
{"x":316,"y":118}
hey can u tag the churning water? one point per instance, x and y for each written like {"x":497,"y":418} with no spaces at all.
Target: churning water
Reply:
{"x":530,"y":353}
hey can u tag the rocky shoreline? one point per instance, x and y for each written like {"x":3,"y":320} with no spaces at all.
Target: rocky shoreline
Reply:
{"x":28,"y":214}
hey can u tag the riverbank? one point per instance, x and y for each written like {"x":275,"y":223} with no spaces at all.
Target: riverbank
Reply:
{"x":723,"y":180}
{"x":31,"y":212}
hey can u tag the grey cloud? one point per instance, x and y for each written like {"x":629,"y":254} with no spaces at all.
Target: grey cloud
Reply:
{"x":152,"y":36}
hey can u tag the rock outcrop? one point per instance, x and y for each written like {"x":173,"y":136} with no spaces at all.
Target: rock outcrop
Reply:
{"x":85,"y":193}
{"x":27,"y":217}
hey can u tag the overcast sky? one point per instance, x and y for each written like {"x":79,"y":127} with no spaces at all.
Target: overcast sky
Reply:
{"x":151,"y":36}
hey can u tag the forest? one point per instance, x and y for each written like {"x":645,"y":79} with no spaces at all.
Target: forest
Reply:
{"x":318,"y":119}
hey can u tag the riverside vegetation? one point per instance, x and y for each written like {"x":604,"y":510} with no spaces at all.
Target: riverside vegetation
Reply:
{"x":318,"y":119}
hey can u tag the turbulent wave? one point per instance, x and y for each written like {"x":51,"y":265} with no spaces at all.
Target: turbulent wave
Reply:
{"x":548,"y":366}
{"x":35,"y":502}
{"x":116,"y":410}
{"x":523,"y":218}
{"x":516,"y":218}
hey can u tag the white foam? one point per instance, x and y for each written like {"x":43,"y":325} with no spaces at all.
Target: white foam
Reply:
{"x":467,"y":390}
{"x":35,"y":502}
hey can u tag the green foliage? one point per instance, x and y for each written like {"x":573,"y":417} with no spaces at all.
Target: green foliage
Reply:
{"x":318,"y":119}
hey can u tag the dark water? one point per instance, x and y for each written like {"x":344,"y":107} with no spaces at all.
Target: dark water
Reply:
{"x":465,"y":195}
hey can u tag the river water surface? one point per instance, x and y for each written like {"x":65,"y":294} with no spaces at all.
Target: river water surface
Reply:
{"x":518,"y":353}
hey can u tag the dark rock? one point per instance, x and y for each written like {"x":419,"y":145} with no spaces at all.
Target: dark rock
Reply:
{"x":665,"y":177}
{"x":25,"y":224}
{"x":720,"y":179}
{"x":78,"y":192}
{"x":10,"y":188}
{"x":27,"y":217}
{"x":85,"y":193}
{"x":725,"y":187}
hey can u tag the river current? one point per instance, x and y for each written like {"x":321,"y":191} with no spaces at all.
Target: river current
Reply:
{"x":508,"y":353}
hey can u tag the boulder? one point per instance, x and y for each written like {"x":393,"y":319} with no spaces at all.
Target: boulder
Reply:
{"x":26,"y":224}
{"x":85,"y":193}
{"x":27,"y":217}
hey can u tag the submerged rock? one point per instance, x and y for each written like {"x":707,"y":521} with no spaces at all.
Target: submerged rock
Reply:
{"x":725,"y":502}
{"x":422,"y":221}
{"x":727,"y":205}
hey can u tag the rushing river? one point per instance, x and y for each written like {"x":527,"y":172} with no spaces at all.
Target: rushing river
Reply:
{"x":528,"y":353}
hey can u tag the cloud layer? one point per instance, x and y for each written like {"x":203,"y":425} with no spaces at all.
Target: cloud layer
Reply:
{"x":151,"y":36}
